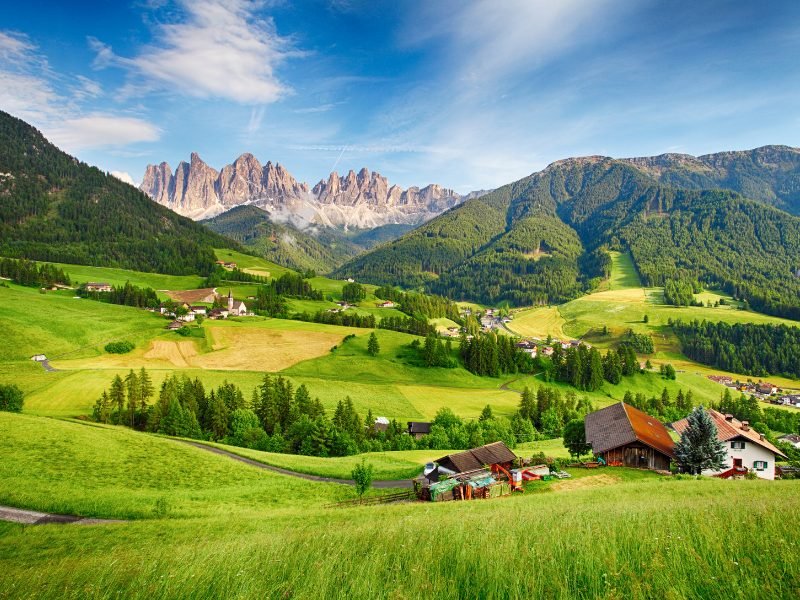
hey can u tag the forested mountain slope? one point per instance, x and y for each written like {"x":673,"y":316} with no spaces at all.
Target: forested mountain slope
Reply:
{"x":281,"y":243}
{"x":53,"y":207}
{"x":770,"y":174}
{"x":545,"y":239}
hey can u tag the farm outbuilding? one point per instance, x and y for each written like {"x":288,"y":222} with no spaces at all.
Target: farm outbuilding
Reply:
{"x":623,"y":435}
{"x":473,"y":474}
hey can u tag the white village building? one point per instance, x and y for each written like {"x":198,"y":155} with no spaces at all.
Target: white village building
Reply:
{"x":747,"y":449}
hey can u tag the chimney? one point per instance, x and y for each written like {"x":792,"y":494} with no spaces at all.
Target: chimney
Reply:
{"x":729,"y":417}
{"x":761,"y":436}
{"x":746,"y":425}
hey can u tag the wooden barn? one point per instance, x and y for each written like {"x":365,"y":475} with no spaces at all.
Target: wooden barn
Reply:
{"x":625,"y":436}
{"x":478,"y":458}
{"x":470,"y":475}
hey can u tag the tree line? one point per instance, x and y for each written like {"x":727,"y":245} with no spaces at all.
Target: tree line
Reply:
{"x":32,"y":274}
{"x":279,"y":417}
{"x":491,"y":355}
{"x":420,"y":305}
{"x":757,"y":350}
{"x":126,"y":295}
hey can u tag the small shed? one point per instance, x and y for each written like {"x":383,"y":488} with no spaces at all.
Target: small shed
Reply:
{"x":623,"y":435}
{"x":39,"y":357}
{"x":175,"y":325}
{"x":478,"y":458}
{"x":418,"y":429}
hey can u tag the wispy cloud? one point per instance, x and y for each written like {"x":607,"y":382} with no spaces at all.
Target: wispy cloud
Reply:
{"x":100,"y":131}
{"x":219,"y":49}
{"x":31,"y":91}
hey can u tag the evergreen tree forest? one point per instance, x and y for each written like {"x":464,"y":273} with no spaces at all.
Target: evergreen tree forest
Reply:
{"x":279,"y":417}
{"x":492,"y":355}
{"x":31,"y":274}
{"x":587,"y":369}
{"x":56,"y":208}
{"x":757,"y":350}
{"x":126,"y":295}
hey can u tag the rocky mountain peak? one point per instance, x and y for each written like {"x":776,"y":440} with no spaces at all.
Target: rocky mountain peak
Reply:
{"x":363,"y":200}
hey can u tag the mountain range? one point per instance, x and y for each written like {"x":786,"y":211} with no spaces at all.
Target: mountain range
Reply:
{"x":362,"y":200}
{"x":545,"y":238}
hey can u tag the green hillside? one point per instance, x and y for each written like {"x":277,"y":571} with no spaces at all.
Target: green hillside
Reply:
{"x":58,"y":209}
{"x":279,"y":242}
{"x":546,"y":238}
{"x":265,"y":535}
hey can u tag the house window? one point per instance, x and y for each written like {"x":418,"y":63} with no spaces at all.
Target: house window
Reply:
{"x":737,"y":445}
{"x":760,"y":465}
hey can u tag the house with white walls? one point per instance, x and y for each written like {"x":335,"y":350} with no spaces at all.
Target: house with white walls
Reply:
{"x":747,"y":449}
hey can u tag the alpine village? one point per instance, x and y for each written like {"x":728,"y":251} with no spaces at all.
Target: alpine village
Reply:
{"x":513,"y":363}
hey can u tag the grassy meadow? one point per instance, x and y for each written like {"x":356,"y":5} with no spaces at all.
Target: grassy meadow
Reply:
{"x":203,"y":526}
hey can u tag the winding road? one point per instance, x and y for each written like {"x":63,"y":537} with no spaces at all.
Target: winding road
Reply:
{"x":386,"y":484}
{"x":32,"y":517}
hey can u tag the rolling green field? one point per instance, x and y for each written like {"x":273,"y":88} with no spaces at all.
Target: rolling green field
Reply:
{"x":204,"y":526}
{"x":82,"y":274}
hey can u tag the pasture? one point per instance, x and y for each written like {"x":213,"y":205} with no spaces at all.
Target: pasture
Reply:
{"x":205,"y":526}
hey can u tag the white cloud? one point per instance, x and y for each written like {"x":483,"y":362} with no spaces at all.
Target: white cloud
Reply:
{"x":55,"y":104}
{"x":124,"y":176}
{"x":102,"y":131}
{"x":221,"y":50}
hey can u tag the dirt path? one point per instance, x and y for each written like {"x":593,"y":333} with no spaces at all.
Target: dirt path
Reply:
{"x":387,"y":484}
{"x":32,"y":517}
{"x":505,"y":385}
{"x":46,"y":364}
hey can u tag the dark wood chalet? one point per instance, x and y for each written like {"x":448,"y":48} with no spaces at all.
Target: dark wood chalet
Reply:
{"x":623,"y":435}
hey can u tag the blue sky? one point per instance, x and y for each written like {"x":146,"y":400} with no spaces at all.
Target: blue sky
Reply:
{"x":470,"y":95}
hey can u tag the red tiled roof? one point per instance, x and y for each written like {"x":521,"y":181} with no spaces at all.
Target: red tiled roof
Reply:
{"x":729,"y":430}
{"x":620,"y":424}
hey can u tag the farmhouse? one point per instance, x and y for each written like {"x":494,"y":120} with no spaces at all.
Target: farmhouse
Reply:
{"x":175,"y":325}
{"x":788,"y":400}
{"x":747,"y":449}
{"x":380,"y":424}
{"x":418,"y":429}
{"x":218,"y":313}
{"x":94,"y":286}
{"x":198,"y":310}
{"x":386,"y":304}
{"x":38,"y":357}
{"x":623,"y":435}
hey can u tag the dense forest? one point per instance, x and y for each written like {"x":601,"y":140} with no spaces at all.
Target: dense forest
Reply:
{"x":55,"y":208}
{"x":425,"y":306}
{"x":757,"y":350}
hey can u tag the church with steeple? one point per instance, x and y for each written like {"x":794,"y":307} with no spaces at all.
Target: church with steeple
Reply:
{"x":236,"y":308}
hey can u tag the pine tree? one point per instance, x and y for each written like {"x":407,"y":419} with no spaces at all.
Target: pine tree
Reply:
{"x":486,"y":413}
{"x":146,"y":389}
{"x":117,"y":396}
{"x":134,"y":396}
{"x":373,"y":347}
{"x":527,"y":406}
{"x":699,"y":449}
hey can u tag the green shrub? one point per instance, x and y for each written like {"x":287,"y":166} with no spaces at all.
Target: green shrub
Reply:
{"x":11,"y":398}
{"x":122,"y":347}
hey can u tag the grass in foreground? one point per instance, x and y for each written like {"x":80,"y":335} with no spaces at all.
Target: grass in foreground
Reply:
{"x":616,"y":534}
